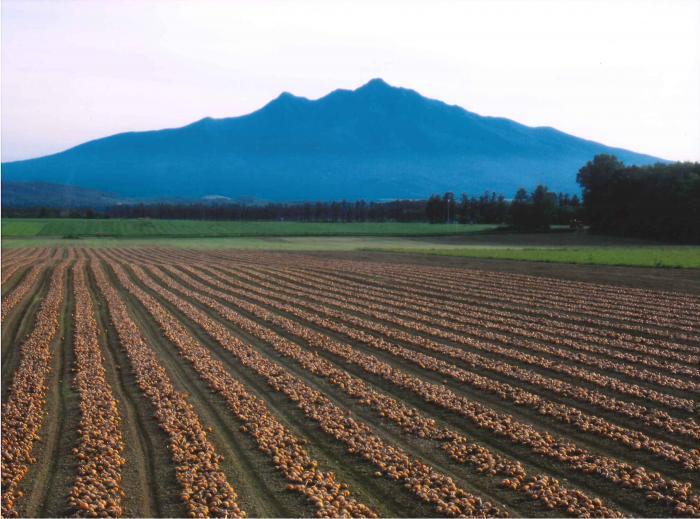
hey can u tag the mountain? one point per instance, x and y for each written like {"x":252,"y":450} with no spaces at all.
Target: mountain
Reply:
{"x":44,"y":194}
{"x":33,"y":194}
{"x":375,"y":142}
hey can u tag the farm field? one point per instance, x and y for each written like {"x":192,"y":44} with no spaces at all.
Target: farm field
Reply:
{"x":667,"y":257}
{"x":166,"y":382}
{"x":147,"y":228}
{"x":466,"y":241}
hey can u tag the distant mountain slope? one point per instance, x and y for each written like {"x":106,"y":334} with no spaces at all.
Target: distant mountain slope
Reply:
{"x":33,"y":194}
{"x":375,"y":142}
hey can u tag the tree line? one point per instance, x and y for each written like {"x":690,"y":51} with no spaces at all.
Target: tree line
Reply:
{"x":536,"y":210}
{"x":661,"y":201}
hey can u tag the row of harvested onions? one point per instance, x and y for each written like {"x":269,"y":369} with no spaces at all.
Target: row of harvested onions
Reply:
{"x":487,"y":325}
{"x":21,"y":290}
{"x":469,"y":286}
{"x":652,"y":417}
{"x":330,"y":497}
{"x":483,"y":461}
{"x":96,"y":491}
{"x":23,"y":411}
{"x":677,"y":495}
{"x":205,"y":489}
{"x":636,"y":440}
{"x":654,"y":311}
{"x":421,"y":479}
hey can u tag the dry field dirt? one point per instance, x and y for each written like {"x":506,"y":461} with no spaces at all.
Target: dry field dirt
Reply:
{"x":165,"y":382}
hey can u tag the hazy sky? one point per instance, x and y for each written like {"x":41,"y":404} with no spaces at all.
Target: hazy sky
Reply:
{"x":625,"y":73}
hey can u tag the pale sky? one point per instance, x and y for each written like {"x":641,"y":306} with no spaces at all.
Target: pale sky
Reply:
{"x":624,"y":73}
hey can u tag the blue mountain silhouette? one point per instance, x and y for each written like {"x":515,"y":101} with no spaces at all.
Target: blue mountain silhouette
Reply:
{"x":375,"y":142}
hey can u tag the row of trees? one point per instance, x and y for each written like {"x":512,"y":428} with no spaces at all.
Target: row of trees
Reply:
{"x":660,"y":201}
{"x":536,"y":210}
{"x":488,"y":208}
{"x":527,"y":211}
{"x":343,"y":211}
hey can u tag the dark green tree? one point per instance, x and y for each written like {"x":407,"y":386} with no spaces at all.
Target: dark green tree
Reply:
{"x":661,"y":201}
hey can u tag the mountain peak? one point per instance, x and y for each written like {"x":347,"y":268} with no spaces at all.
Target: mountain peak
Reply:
{"x":375,"y":83}
{"x":286,"y":96}
{"x":284,"y":101}
{"x":378,"y":90}
{"x":378,"y":86}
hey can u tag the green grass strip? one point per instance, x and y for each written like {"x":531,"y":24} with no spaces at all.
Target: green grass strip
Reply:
{"x":666,"y":257}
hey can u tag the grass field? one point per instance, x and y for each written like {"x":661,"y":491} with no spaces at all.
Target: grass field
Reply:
{"x":292,"y":384}
{"x":131,"y":228}
{"x":468,"y":241}
{"x":639,"y":256}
